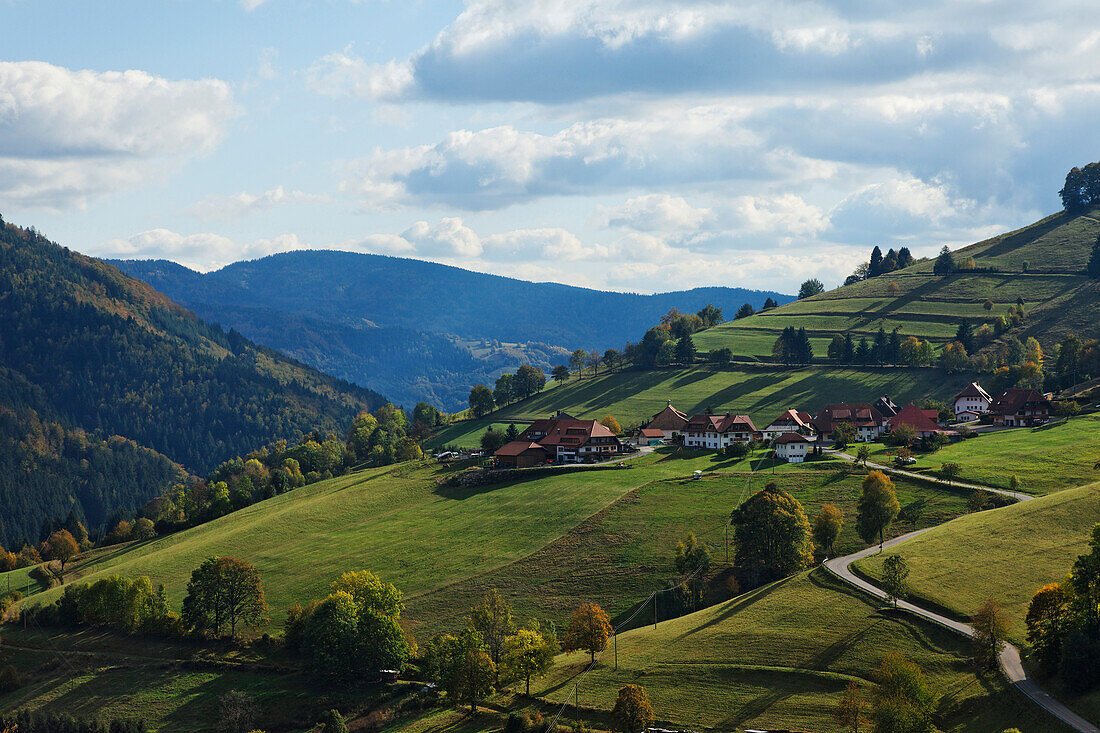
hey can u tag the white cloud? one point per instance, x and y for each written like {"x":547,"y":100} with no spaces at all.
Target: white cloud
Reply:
{"x":902,"y":209}
{"x":215,"y":207}
{"x":66,"y":136}
{"x":203,"y":251}
{"x":498,"y":166}
{"x":654,"y":212}
{"x":785,"y":214}
{"x":449,"y":238}
{"x":343,"y":73}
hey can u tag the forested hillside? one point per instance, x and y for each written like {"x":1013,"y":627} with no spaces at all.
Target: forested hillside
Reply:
{"x":417,"y":330}
{"x":89,"y":353}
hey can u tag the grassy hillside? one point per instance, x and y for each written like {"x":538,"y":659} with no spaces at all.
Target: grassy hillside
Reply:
{"x":761,"y":393}
{"x":548,"y":543}
{"x":1041,"y":264}
{"x":1007,"y":553}
{"x":755,"y":662}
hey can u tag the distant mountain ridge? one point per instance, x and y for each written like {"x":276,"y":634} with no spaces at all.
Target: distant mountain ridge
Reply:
{"x":88,"y":353}
{"x":405,"y":326}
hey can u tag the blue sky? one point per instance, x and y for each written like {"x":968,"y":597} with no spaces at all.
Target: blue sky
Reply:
{"x":620,"y":144}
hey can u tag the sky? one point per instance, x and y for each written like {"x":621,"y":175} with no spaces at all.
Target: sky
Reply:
{"x":618,"y":144}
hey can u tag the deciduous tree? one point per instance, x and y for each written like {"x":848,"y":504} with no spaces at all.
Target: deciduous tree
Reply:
{"x":810,"y":288}
{"x":481,"y":400}
{"x":527,"y":654}
{"x":990,"y":629}
{"x":463,"y":668}
{"x":902,"y":701}
{"x":1047,"y":622}
{"x":772,"y":535}
{"x":611,"y":424}
{"x":827,"y":526}
{"x":877,"y":508}
{"x":61,"y":546}
{"x":895,"y":570}
{"x":492,"y":618}
{"x":632,"y":712}
{"x":223,"y":591}
{"x":588,"y":630}
{"x":851,"y":710}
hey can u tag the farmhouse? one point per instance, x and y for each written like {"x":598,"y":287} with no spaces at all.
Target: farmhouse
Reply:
{"x":670,"y":421}
{"x":972,"y":403}
{"x":1019,"y":408}
{"x":561,"y":439}
{"x":718,"y":431}
{"x":885,"y":406}
{"x":791,"y":421}
{"x":865,"y":419}
{"x":922,"y":421}
{"x":792,"y":447}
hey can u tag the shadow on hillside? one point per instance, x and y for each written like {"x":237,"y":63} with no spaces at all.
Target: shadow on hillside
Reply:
{"x":1011,"y":242}
{"x":738,"y":604}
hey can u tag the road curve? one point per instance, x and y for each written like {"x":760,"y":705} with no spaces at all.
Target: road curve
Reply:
{"x":1011,"y":665}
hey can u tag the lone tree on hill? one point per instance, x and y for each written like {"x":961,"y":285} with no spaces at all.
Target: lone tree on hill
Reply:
{"x":1082,"y":188}
{"x":610,"y":357}
{"x":481,"y":400}
{"x":560,"y":374}
{"x":632,"y":711}
{"x":772,"y":536}
{"x":950,"y":471}
{"x":894,"y":572}
{"x":877,"y":508}
{"x":827,"y":526}
{"x":810,"y":288}
{"x":945,"y":263}
{"x":589,"y":630}
{"x":61,"y":546}
{"x":1093,"y":268}
{"x":769,"y":303}
{"x":744,"y":312}
{"x":990,"y":629}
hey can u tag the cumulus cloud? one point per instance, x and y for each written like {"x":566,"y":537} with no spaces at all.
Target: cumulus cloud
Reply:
{"x":449,"y":238}
{"x":654,"y":212}
{"x":202,"y":251}
{"x":66,"y":136}
{"x":215,"y":207}
{"x":498,"y":166}
{"x":550,"y":51}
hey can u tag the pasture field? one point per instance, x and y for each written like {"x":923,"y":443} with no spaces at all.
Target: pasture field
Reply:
{"x":1044,"y":459}
{"x":761,"y":393}
{"x":755,"y":662}
{"x":1007,"y":554}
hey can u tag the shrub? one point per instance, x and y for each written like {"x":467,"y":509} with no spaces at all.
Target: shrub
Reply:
{"x":736,"y":450}
{"x":1067,"y":408}
{"x":9,"y":679}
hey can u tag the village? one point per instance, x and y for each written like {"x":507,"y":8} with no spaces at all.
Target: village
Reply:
{"x":794,"y":436}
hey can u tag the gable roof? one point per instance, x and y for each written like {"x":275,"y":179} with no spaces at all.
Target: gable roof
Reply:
{"x":885,"y":406}
{"x":651,"y":433}
{"x":720,"y":423}
{"x":791,"y":438}
{"x":973,"y":390}
{"x":859,"y":414}
{"x":668,"y":419}
{"x":919,"y":419}
{"x":571,"y":433}
{"x":518,"y":447}
{"x":803,"y":419}
{"x":1013,"y":399}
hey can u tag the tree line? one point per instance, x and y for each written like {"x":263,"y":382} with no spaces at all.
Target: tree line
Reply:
{"x":880,"y":264}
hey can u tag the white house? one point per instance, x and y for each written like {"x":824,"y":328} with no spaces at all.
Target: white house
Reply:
{"x":791,"y":421}
{"x":972,"y":403}
{"x":718,"y":431}
{"x":867,"y":422}
{"x":792,"y":447}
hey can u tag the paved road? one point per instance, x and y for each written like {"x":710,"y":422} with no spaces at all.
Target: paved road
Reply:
{"x":1010,"y":656}
{"x":1019,"y":496}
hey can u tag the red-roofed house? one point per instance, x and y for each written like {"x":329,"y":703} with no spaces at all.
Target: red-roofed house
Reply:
{"x":972,"y":403}
{"x":865,"y":419}
{"x":923,"y":421}
{"x":521,"y":454}
{"x":1019,"y":408}
{"x":792,"y":447}
{"x":568,"y":440}
{"x":718,"y":431}
{"x":791,"y":421}
{"x":670,"y":421}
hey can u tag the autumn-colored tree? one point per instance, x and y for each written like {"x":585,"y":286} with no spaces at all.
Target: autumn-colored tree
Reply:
{"x":589,"y":630}
{"x":902,"y":701}
{"x":1047,"y":623}
{"x":370,"y":592}
{"x":492,"y":618}
{"x":223,"y":591}
{"x":61,"y":546}
{"x":633,"y":712}
{"x":827,"y":526}
{"x":990,"y":629}
{"x":144,"y":529}
{"x":611,"y":424}
{"x":877,"y":508}
{"x":851,"y":709}
{"x":773,"y":536}
{"x":528,"y":653}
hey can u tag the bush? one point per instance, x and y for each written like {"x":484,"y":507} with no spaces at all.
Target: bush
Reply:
{"x":1067,"y":408}
{"x":932,"y":443}
{"x":9,"y":679}
{"x":736,"y":450}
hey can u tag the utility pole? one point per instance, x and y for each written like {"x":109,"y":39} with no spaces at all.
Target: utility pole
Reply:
{"x":616,"y":652}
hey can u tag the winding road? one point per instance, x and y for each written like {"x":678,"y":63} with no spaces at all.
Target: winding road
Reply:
{"x":1011,"y":665}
